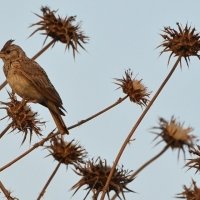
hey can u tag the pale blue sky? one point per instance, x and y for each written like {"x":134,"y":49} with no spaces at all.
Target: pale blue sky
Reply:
{"x":123,"y":34}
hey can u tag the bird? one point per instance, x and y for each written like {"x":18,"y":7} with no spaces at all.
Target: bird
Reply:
{"x":29,"y":80}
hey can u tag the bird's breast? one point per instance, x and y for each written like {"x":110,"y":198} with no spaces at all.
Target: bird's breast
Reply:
{"x":21,"y":85}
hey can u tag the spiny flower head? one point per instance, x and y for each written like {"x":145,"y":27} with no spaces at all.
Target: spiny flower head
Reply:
{"x":195,"y":162}
{"x":184,"y":42}
{"x":134,"y":88}
{"x":66,"y":152}
{"x":61,"y":29}
{"x":191,"y":193}
{"x":94,"y":175}
{"x":174,"y":134}
{"x":23,"y":118}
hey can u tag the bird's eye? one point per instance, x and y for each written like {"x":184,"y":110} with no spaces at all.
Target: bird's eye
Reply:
{"x":7,"y":51}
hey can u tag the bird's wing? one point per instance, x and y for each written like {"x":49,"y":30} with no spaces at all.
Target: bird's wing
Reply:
{"x":40,"y":80}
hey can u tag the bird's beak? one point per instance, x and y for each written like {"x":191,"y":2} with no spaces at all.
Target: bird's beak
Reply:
{"x":2,"y":54}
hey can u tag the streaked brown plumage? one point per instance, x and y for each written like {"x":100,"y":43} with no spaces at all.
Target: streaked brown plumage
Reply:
{"x":30,"y":81}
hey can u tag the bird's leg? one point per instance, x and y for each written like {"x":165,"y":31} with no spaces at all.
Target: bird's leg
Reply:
{"x":3,"y":85}
{"x":61,"y":136}
{"x":22,"y":104}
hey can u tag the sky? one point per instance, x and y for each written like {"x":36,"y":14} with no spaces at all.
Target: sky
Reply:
{"x":123,"y":35}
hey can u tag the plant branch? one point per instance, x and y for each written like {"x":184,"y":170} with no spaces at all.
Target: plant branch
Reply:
{"x":5,"y":130}
{"x":48,"y":181}
{"x":6,"y":192}
{"x":36,"y":145}
{"x":120,"y":100}
{"x":135,"y":127}
{"x":43,"y":49}
{"x":150,"y":161}
{"x":133,"y":175}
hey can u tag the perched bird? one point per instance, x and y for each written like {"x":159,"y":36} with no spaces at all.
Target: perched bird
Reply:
{"x":30,"y":81}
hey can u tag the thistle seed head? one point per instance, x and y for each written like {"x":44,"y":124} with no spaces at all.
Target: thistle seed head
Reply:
{"x":184,"y":42}
{"x":194,"y":163}
{"x":94,"y":175}
{"x":61,"y":29}
{"x":191,"y":193}
{"x":174,"y":134}
{"x":66,"y":152}
{"x":134,"y":88}
{"x":23,"y":118}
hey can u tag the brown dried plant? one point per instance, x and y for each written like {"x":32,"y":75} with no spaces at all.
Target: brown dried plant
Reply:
{"x":134,"y":88}
{"x":94,"y":174}
{"x":6,"y":192}
{"x":194,"y":163}
{"x":184,"y":42}
{"x":66,"y":152}
{"x":23,"y":118}
{"x":191,"y":193}
{"x":61,"y":29}
{"x":174,"y":134}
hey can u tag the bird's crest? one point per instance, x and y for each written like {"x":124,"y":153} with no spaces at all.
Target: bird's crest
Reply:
{"x":8,"y":43}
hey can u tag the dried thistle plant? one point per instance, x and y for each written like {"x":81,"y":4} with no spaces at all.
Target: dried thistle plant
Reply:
{"x":195,"y":162}
{"x":6,"y":192}
{"x":94,"y":174}
{"x":61,"y":29}
{"x":184,"y":42}
{"x":191,"y":193}
{"x":66,"y":152}
{"x":134,"y":88}
{"x":174,"y":134}
{"x":23,"y":118}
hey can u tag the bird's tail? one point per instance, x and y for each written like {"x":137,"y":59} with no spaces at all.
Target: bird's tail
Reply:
{"x":62,"y":128}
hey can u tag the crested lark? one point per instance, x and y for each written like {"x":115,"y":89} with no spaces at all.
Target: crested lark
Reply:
{"x":30,"y":81}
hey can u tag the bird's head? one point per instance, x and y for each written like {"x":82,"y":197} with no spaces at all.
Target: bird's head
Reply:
{"x":11,"y":52}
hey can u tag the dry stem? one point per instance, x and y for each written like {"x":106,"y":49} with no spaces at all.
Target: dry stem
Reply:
{"x":36,"y":145}
{"x":146,"y":164}
{"x":5,"y":130}
{"x":150,"y":161}
{"x":6,"y":192}
{"x":28,"y":151}
{"x":127,"y":140}
{"x":120,"y":100}
{"x":43,"y":49}
{"x":48,"y":181}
